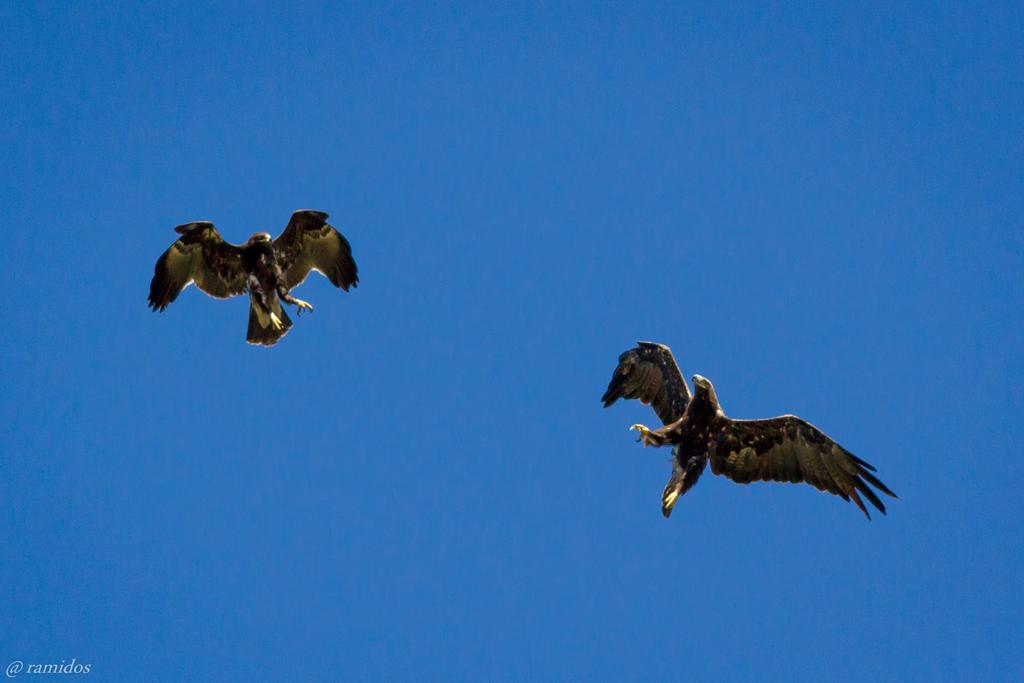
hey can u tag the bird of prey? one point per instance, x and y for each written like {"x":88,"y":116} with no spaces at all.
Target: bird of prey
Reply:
{"x":267,"y":269}
{"x":784,"y":448}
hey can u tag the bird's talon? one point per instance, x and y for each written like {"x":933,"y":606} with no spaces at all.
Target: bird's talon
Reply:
{"x":644,"y":431}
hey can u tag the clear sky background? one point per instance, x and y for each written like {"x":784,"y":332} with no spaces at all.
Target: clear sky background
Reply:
{"x":819,"y":207}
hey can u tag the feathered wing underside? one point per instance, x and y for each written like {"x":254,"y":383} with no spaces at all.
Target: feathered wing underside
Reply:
{"x":789,"y":449}
{"x":309,"y":242}
{"x":649,"y":374}
{"x":201,"y":256}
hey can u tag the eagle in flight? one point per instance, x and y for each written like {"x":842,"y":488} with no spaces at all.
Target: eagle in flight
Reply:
{"x":267,"y":269}
{"x":782,"y":448}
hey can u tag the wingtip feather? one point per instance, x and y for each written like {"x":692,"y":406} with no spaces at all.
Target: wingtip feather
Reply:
{"x":876,"y":482}
{"x":856,"y":499}
{"x":862,"y":463}
{"x":869,"y":494}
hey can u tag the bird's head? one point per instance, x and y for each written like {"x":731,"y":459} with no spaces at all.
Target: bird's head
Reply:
{"x":704,"y":390}
{"x":258,"y":237}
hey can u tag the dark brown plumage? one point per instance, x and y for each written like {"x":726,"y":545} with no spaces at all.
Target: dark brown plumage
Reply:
{"x":308,"y":243}
{"x":649,"y":373}
{"x":267,"y":270}
{"x":201,"y":256}
{"x":786,"y":448}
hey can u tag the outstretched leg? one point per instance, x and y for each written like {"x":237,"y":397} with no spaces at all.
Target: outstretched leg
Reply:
{"x":649,"y":437}
{"x":672,"y":491}
{"x":684,"y":475}
{"x":299,"y":303}
{"x":260,"y":299}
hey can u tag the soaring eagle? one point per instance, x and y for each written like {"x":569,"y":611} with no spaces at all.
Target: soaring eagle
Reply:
{"x":267,"y":269}
{"x":782,"y":448}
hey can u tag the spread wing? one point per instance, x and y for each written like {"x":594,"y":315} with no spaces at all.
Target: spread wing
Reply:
{"x":789,"y":449}
{"x":310,"y":243}
{"x":649,"y":373}
{"x":201,"y":256}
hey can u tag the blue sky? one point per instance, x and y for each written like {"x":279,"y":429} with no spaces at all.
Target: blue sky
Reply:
{"x":817,"y":206}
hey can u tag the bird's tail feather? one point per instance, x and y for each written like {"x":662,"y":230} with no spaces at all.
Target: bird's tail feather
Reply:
{"x":262,"y":329}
